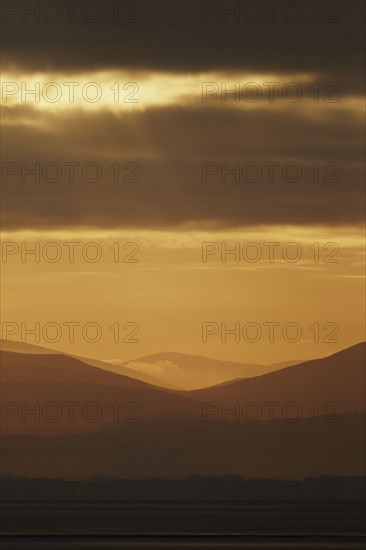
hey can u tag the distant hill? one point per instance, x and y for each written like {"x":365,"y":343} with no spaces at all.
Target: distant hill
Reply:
{"x":185,"y":372}
{"x":170,"y":370}
{"x":23,"y":347}
{"x":27,"y":379}
{"x":324,"y":387}
{"x":339,"y":379}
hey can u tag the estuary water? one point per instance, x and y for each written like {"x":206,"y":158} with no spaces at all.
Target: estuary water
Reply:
{"x":183,"y":526}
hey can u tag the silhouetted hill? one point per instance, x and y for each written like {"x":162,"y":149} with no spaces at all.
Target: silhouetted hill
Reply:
{"x":167,"y":370}
{"x":338,"y":379}
{"x":50,"y":383}
{"x":25,"y":348}
{"x":183,"y":371}
{"x":324,"y":387}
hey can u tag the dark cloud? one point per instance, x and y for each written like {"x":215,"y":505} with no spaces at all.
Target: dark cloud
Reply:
{"x":173,"y":36}
{"x":169,"y":145}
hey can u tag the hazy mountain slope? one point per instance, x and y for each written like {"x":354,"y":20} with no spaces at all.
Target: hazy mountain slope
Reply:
{"x":50,"y":383}
{"x":20,"y":367}
{"x":338,"y":379}
{"x":23,"y":347}
{"x":183,"y":371}
{"x":167,"y":370}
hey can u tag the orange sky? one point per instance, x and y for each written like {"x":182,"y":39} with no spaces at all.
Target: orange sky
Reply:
{"x":165,"y":288}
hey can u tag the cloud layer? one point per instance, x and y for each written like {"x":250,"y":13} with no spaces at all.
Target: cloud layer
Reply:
{"x":174,"y":159}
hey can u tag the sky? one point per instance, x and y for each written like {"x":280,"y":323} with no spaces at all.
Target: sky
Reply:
{"x":182,"y":170}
